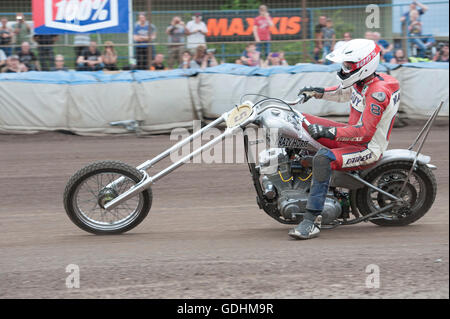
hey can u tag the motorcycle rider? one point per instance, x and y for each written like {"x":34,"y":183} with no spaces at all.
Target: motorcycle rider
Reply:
{"x":374,"y":100}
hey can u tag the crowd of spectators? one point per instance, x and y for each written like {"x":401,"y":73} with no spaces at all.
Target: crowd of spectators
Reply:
{"x":187,"y":45}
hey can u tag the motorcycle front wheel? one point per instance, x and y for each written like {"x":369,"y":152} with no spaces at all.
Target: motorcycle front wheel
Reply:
{"x":93,"y":186}
{"x":419,"y":193}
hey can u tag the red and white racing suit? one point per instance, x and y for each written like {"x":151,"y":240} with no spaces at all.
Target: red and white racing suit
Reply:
{"x":373,"y":106}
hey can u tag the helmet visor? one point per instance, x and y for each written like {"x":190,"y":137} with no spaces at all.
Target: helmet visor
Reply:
{"x":348,"y":67}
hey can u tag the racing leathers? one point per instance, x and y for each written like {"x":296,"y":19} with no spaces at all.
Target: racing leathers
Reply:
{"x":373,"y":105}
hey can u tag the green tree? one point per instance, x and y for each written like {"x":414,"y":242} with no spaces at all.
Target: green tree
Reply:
{"x":241,"y":5}
{"x":339,"y":24}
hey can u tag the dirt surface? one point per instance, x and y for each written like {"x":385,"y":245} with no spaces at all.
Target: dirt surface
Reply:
{"x":205,"y":236}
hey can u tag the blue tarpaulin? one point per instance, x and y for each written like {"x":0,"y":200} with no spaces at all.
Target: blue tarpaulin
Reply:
{"x":73,"y":77}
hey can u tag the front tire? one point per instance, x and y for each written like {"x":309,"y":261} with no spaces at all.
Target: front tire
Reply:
{"x":89,"y":189}
{"x":420,"y":192}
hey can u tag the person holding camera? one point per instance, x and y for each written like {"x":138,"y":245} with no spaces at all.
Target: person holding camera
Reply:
{"x":196,"y":31}
{"x":442,"y":54}
{"x":21,"y":31}
{"x":175,"y":31}
{"x":205,"y":58}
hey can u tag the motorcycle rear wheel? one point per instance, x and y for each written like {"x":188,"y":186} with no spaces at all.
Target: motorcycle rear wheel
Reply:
{"x":420,"y":192}
{"x":87,"y":191}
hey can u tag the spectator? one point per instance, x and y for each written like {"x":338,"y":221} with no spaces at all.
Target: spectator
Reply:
{"x":412,"y":7}
{"x":415,"y":34}
{"x":282,"y":59}
{"x":368,"y":35}
{"x":399,"y":57}
{"x":158,"y":63}
{"x":2,"y":59}
{"x":144,"y":33}
{"x":6,"y":37}
{"x":13,"y":65}
{"x":59,"y":63}
{"x":45,"y":50}
{"x":347,"y":37}
{"x":21,"y":30}
{"x":187,"y":62}
{"x":273,"y":59}
{"x":318,"y":45}
{"x":251,"y":56}
{"x":442,"y":54}
{"x":238,"y":61}
{"x":196,"y":31}
{"x":329,"y":40}
{"x":90,"y":59}
{"x":109,"y":57}
{"x":276,"y":59}
{"x":81,"y":41}
{"x":28,"y":58}
{"x":176,"y":31}
{"x":261,"y":30}
{"x":205,"y":58}
{"x":385,"y":46}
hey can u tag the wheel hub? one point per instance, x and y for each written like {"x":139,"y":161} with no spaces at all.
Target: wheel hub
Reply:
{"x":409,"y":194}
{"x":105,"y":196}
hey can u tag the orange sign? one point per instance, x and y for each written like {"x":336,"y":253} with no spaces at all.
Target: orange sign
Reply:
{"x":224,"y":27}
{"x":239,"y":25}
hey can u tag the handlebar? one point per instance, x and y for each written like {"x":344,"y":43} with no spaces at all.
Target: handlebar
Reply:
{"x":300,"y":100}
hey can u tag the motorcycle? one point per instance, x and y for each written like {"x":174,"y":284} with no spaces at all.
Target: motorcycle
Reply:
{"x":110,"y":197}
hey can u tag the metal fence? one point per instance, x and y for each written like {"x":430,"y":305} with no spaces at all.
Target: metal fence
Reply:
{"x":296,"y":26}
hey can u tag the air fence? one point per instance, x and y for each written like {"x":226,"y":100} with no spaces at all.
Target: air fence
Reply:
{"x":86,"y":102}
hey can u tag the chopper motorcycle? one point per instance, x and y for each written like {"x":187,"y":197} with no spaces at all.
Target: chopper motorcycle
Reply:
{"x":110,"y":197}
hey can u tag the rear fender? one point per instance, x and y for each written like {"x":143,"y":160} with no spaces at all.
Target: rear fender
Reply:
{"x":342,"y":179}
{"x":400,"y":155}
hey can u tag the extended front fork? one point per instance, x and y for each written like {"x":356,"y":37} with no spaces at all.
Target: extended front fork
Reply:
{"x":147,"y":181}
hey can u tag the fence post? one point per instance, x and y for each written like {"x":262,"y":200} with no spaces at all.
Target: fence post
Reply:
{"x":130,"y":32}
{"x":150,"y":48}
{"x":304,"y":26}
{"x":405,"y":46}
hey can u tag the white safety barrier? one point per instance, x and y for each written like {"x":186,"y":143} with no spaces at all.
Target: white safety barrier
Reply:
{"x":88,"y":106}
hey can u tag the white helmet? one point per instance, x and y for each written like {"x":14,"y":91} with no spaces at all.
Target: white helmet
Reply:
{"x":359,"y":58}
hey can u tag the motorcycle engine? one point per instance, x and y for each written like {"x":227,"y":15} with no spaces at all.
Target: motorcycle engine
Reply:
{"x":287,"y":182}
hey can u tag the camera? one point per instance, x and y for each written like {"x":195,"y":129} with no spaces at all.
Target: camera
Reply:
{"x":209,"y":51}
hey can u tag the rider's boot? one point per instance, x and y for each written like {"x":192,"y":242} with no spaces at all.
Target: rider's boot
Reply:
{"x":309,"y":227}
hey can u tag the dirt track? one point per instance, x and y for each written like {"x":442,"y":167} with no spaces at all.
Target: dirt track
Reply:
{"x":204,"y":237}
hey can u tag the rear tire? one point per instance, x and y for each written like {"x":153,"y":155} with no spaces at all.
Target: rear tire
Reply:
{"x":422,"y":194}
{"x":97,"y":195}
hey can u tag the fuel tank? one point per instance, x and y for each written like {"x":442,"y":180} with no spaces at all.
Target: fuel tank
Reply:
{"x":285,"y":130}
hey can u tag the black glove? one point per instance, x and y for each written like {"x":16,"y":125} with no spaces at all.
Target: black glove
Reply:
{"x":317,"y":131}
{"x":310,"y":92}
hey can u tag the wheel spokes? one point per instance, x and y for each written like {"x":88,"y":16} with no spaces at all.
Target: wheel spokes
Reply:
{"x":93,"y":191}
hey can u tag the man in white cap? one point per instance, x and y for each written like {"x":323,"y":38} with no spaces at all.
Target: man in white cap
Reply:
{"x":196,"y":31}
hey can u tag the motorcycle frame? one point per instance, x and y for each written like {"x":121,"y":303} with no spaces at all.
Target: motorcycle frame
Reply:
{"x":147,"y":180}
